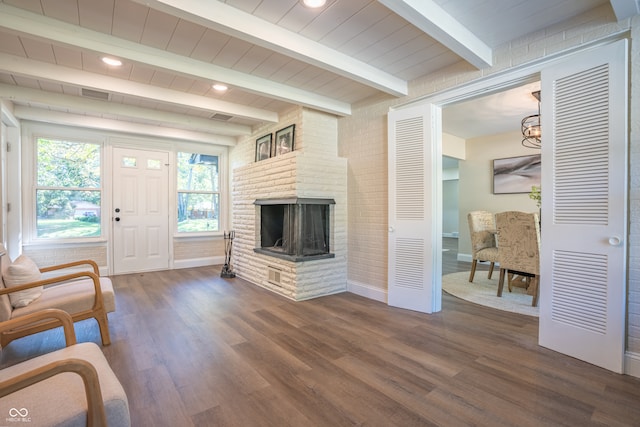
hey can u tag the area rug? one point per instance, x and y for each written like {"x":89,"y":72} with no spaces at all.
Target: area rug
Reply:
{"x":484,"y":292}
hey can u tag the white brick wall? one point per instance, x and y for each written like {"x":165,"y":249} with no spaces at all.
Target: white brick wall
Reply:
{"x":64,"y":254}
{"x":313,"y":170}
{"x":187,"y":249}
{"x":633,"y":321}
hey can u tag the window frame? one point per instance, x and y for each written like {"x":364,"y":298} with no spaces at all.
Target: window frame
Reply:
{"x":222,"y":192}
{"x":32,"y":212}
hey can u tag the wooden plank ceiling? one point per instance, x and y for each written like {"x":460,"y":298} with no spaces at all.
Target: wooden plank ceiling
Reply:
{"x":272,"y":54}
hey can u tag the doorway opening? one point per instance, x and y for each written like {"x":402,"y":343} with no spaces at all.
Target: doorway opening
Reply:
{"x":475,"y":132}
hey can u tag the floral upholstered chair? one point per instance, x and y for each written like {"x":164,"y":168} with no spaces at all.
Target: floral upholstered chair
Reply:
{"x":482,"y":228}
{"x":519,"y":250}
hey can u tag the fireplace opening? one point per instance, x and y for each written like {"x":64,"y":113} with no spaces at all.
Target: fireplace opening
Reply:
{"x":296,"y":229}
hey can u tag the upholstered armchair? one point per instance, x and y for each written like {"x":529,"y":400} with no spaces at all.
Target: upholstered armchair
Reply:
{"x":482,"y":228}
{"x":75,"y":287}
{"x":519,"y":250}
{"x":72,"y":386}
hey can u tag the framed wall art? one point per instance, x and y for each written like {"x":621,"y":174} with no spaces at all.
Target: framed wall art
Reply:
{"x":284,"y":142}
{"x":263,"y":147}
{"x":516,"y":174}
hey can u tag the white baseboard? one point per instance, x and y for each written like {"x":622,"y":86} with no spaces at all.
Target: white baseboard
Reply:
{"x":632,"y":364}
{"x":465,"y":257}
{"x":198,"y":262}
{"x":367,"y":291}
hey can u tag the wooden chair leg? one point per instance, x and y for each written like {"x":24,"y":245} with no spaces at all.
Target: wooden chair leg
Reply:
{"x":491,"y":269}
{"x":535,"y":282}
{"x":501,"y":282}
{"x":103,"y":324}
{"x":473,"y":269}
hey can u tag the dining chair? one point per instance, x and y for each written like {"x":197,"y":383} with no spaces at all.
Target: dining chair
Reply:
{"x":482,"y":228}
{"x":519,"y":250}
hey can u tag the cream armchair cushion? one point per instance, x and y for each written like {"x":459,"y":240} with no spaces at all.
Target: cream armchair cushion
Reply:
{"x":75,"y":287}
{"x":73,"y":386}
{"x":60,"y":400}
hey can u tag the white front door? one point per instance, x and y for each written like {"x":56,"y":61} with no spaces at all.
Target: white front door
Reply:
{"x":140,"y":210}
{"x":584,"y":206}
{"x":414,"y":270}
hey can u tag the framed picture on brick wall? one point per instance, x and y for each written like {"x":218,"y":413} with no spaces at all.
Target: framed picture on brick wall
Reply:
{"x":263,"y":147}
{"x":285,"y":140}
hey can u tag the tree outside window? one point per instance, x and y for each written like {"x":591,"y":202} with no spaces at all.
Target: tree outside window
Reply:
{"x":198,"y":193}
{"x":68,"y":189}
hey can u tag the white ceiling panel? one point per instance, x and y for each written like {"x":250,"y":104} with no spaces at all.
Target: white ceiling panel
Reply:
{"x":332,"y":17}
{"x":64,"y":10}
{"x":357,"y":24}
{"x":232,"y":52}
{"x":158,"y":29}
{"x":129,"y":20}
{"x":326,"y":59}
{"x":67,"y":57}
{"x":38,"y":50}
{"x":11,"y":44}
{"x":185,"y":37}
{"x":96,"y":14}
{"x":209,"y":45}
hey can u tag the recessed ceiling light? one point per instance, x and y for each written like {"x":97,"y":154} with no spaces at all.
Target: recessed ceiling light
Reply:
{"x":220,"y":87}
{"x":111,"y":61}
{"x":314,"y":3}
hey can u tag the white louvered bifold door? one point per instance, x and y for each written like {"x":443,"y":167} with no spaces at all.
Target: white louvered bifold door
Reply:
{"x":584,"y":204}
{"x":411,"y":265}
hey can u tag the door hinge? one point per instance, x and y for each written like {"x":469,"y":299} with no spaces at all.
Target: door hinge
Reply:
{"x":8,"y":147}
{"x":8,"y":207}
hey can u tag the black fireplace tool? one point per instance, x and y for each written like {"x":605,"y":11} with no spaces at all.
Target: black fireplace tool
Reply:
{"x":227,"y":270}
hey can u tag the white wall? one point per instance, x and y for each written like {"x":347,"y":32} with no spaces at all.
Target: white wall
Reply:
{"x":450,"y":207}
{"x":11,"y":185}
{"x":452,"y":146}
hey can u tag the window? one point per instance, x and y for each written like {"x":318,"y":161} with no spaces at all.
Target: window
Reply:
{"x":198,"y":193}
{"x":68,"y":189}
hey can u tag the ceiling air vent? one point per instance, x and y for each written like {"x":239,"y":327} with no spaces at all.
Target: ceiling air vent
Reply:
{"x":221,"y":117}
{"x":95,"y":94}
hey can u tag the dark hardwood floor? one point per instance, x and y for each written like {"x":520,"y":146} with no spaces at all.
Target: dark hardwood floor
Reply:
{"x":192,"y":349}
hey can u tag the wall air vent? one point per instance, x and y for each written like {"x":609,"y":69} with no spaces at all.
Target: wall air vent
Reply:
{"x":275,"y":276}
{"x":221,"y":117}
{"x":95,"y":94}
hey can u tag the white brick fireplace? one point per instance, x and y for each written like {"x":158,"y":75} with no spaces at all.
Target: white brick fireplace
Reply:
{"x":312,"y":171}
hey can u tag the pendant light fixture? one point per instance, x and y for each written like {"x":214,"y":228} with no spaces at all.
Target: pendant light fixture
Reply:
{"x":530,"y":126}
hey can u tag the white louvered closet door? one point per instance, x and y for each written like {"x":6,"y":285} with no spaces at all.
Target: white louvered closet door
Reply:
{"x":411,"y":226}
{"x":584,"y":205}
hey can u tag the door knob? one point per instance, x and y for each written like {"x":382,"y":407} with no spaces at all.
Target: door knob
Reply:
{"x":117,"y":218}
{"x":615,"y":241}
{"x":117,"y":210}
